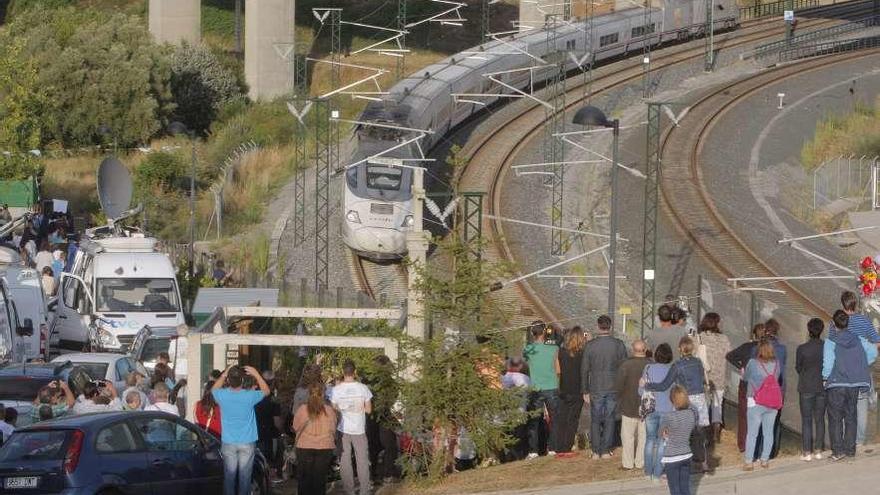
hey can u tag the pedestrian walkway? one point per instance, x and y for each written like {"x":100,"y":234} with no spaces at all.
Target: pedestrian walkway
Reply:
{"x":786,"y":477}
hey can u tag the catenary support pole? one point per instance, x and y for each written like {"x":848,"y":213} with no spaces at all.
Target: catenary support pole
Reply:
{"x":612,"y":258}
{"x":652,"y":185}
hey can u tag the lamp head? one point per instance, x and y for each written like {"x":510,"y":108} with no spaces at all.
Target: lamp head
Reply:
{"x":591,"y":116}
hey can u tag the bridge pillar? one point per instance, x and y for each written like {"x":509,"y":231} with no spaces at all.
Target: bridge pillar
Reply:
{"x":268,"y":30}
{"x":175,"y":21}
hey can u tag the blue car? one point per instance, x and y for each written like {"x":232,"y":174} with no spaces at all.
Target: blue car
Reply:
{"x":117,"y":453}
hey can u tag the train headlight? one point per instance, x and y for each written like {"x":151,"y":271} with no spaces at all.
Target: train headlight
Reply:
{"x":353,"y":217}
{"x":408,"y":221}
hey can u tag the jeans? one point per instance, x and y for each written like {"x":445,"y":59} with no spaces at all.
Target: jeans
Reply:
{"x":862,"y":418}
{"x":678,"y":475}
{"x":654,"y":445}
{"x":813,"y":421}
{"x":570,"y":407}
{"x":602,"y":409}
{"x":842,"y":419}
{"x":356,"y":444}
{"x":760,"y":417}
{"x":238,"y":458}
{"x":632,"y":439}
{"x":537,"y":401}
{"x":312,"y":469}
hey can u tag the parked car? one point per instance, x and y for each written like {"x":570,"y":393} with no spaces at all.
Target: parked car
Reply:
{"x":150,"y":341}
{"x":20,"y":383}
{"x":135,"y":453}
{"x":104,"y":366}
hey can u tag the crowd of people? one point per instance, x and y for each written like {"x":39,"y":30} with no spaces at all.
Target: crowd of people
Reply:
{"x":659,"y":405}
{"x":45,"y":243}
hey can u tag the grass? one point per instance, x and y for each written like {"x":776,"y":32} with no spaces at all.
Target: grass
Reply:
{"x":549,"y":472}
{"x":855,"y":133}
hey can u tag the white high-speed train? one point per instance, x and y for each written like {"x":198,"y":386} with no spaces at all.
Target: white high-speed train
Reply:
{"x":378,"y":196}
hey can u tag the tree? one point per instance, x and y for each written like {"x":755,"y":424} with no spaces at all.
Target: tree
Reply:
{"x":457,"y":384}
{"x":96,"y":69}
{"x":201,"y":86}
{"x":21,"y":99}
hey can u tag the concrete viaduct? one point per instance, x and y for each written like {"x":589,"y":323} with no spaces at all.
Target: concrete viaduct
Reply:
{"x":267,"y":23}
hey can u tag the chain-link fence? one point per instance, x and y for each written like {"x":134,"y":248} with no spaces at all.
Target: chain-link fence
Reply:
{"x":843,"y":183}
{"x":742,"y":308}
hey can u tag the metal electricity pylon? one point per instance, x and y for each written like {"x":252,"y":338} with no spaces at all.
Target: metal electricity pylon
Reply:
{"x":484,"y":20}
{"x":652,"y":192}
{"x":710,"y":36}
{"x":646,"y":51}
{"x":401,"y":25}
{"x":472,"y":222}
{"x":300,"y":153}
{"x":553,"y":147}
{"x":322,"y":130}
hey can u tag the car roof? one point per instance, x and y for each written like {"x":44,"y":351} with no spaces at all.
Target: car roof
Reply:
{"x":35,"y":370}
{"x":133,"y":265}
{"x":90,"y":357}
{"x":93,"y":419}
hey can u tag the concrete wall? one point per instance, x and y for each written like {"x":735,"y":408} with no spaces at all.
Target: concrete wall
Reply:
{"x":267,"y":22}
{"x":174,"y":21}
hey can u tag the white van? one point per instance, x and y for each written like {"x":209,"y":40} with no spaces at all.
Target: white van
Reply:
{"x":25,"y":288}
{"x":118,"y":284}
{"x":13,"y":335}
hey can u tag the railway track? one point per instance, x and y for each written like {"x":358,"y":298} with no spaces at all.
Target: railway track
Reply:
{"x":384,"y":283}
{"x":496,"y":150}
{"x":686,"y":197}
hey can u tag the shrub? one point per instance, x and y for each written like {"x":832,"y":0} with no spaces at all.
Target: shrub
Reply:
{"x":201,"y":86}
{"x":160,"y":169}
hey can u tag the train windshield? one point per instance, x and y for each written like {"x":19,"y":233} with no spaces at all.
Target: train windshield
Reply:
{"x":384,"y":178}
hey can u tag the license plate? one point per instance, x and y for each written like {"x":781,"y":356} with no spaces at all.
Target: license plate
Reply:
{"x":22,"y":482}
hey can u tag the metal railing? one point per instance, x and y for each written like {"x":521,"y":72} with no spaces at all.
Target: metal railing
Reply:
{"x":774,"y":8}
{"x":770,"y":48}
{"x":846,"y":178}
{"x":828,"y":48}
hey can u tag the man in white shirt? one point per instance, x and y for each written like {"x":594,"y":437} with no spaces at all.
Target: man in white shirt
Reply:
{"x":161,"y":393}
{"x":92,"y":400}
{"x":6,"y":429}
{"x":353,"y":400}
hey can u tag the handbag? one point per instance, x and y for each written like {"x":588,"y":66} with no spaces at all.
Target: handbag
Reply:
{"x":648,"y":402}
{"x":703,"y":354}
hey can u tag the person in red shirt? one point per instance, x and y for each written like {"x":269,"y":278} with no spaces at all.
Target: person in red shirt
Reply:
{"x":208,"y":412}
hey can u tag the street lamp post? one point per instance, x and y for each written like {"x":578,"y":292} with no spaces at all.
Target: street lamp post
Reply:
{"x":592,"y":116}
{"x":178,"y":128}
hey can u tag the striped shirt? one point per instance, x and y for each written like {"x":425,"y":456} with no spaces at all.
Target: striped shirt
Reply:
{"x":677,"y":427}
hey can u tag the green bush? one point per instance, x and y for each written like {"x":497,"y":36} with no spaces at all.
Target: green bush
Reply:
{"x":17,"y":167}
{"x":160,"y":169}
{"x":95,"y":69}
{"x":201,"y":86}
{"x":17,"y":7}
{"x":263,"y":123}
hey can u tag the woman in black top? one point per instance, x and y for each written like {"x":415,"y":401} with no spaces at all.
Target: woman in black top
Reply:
{"x":808,"y":364}
{"x":571,"y":400}
{"x":739,"y":358}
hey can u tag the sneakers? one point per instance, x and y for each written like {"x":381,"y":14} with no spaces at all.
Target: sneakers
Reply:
{"x":551,"y":452}
{"x":817,"y":456}
{"x":807,"y":457}
{"x":836,"y":458}
{"x":606,"y":456}
{"x":531,"y":456}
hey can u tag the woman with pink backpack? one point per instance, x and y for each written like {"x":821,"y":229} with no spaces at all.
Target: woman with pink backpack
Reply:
{"x":764,"y":398}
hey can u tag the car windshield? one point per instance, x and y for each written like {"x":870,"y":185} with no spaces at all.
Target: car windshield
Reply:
{"x":144,"y":295}
{"x":384,"y":178}
{"x":152,"y":348}
{"x":20,"y":388}
{"x":97,"y":370}
{"x":44,"y":445}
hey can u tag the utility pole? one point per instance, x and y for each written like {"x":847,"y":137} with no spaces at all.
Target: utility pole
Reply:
{"x":646,"y":50}
{"x":554,"y":150}
{"x":417,"y":246}
{"x":652,"y":194}
{"x":710,"y":36}
{"x":401,"y":25}
{"x":612,"y":248}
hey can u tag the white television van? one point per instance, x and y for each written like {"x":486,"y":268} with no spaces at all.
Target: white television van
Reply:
{"x":119,"y":283}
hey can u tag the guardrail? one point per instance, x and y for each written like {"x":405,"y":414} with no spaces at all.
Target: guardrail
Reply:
{"x":774,"y":8}
{"x":828,"y":48}
{"x":770,"y":48}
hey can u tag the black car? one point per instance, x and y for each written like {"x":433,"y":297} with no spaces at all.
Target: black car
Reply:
{"x":20,"y":383}
{"x":117,"y":453}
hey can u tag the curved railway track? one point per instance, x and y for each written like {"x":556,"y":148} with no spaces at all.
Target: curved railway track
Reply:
{"x":686,"y":196}
{"x":496,"y":150}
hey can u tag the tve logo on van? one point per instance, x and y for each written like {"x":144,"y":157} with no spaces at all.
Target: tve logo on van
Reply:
{"x":125,"y":325}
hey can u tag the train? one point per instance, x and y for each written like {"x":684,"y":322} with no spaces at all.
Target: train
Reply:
{"x":424,"y":107}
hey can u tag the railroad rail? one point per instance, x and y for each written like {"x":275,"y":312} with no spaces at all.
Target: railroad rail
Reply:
{"x":496,"y":150}
{"x":686,"y":197}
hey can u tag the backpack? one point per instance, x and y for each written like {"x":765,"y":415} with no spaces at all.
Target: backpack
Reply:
{"x":648,"y":402}
{"x":769,"y":394}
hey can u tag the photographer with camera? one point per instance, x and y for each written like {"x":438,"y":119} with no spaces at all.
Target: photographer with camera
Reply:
{"x":56,"y":397}
{"x":98,"y":396}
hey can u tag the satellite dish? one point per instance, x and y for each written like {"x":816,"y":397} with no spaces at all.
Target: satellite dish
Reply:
{"x":114,"y":188}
